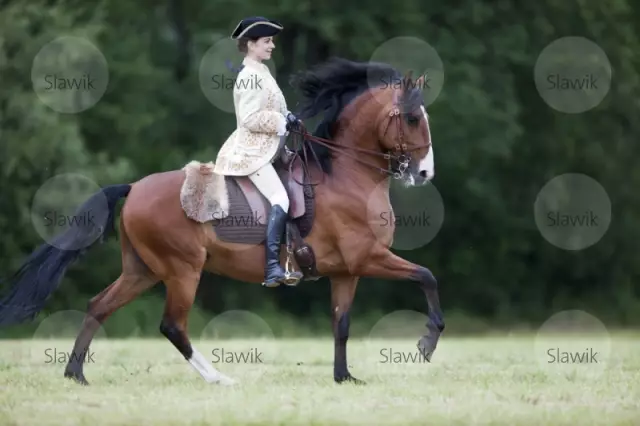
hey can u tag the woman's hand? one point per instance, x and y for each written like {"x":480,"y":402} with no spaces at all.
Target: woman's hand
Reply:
{"x":293,"y":121}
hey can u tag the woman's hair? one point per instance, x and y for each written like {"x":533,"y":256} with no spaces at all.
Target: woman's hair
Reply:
{"x":242,"y":43}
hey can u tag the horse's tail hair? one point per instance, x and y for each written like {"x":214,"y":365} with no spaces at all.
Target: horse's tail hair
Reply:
{"x":41,"y":273}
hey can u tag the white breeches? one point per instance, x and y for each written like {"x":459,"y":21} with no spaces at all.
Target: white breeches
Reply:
{"x":269,"y":184}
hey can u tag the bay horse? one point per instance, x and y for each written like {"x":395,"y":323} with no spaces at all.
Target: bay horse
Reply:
{"x":370,"y":133}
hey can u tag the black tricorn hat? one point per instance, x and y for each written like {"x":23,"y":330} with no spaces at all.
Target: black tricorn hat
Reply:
{"x":256,"y":27}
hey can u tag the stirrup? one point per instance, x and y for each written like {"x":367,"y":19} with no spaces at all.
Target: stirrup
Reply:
{"x":291,"y":276}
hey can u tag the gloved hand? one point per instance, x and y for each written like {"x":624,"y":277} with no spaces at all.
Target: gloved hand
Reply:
{"x":292,"y":121}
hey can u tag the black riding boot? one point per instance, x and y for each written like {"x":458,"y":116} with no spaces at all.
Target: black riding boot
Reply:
{"x":274,"y":274}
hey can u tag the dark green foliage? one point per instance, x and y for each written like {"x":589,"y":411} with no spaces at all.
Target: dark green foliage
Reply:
{"x":496,"y":142}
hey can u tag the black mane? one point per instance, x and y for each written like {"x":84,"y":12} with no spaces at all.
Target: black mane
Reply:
{"x":330,"y":87}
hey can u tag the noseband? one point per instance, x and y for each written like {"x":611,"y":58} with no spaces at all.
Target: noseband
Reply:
{"x":400,"y":154}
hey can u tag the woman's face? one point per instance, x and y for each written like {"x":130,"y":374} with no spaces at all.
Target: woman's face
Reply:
{"x":261,"y":48}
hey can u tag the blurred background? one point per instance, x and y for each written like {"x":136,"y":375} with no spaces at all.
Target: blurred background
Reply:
{"x":497,"y":143}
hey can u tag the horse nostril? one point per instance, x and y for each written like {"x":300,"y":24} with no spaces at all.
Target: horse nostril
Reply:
{"x":423,"y":173}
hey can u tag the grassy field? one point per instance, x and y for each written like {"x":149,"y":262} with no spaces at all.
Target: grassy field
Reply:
{"x":498,"y":380}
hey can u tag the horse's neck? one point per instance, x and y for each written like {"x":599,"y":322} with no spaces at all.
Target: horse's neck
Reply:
{"x":359,"y":173}
{"x":360,"y":190}
{"x":352,"y":164}
{"x":351,"y":167}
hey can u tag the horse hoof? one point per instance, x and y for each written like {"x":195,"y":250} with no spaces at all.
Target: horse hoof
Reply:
{"x":426,"y":347}
{"x":350,"y":379}
{"x":76,"y":377}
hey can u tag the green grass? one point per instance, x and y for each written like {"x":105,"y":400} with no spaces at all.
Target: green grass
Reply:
{"x":493,"y":380}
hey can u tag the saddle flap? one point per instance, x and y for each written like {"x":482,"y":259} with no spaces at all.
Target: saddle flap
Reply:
{"x":257,"y":202}
{"x":260,"y":205}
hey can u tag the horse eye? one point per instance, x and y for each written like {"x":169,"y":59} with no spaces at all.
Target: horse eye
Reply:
{"x":413,"y":120}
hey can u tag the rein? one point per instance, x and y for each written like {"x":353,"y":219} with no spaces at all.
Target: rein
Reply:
{"x":401,"y":153}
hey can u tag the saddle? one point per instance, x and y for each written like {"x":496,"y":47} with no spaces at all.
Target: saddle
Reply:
{"x":238,"y":211}
{"x":248,"y":211}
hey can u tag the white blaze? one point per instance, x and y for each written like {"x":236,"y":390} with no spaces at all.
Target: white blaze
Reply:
{"x":427,"y":163}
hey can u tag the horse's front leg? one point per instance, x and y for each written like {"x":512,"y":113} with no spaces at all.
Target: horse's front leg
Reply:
{"x":343,"y":289}
{"x":382,"y":263}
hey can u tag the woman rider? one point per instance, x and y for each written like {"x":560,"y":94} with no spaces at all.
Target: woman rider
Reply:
{"x":262,"y":120}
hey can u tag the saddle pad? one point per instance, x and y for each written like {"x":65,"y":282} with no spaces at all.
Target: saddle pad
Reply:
{"x":243,"y":226}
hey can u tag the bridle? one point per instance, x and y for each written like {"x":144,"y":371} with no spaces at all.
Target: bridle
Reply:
{"x":400,"y":154}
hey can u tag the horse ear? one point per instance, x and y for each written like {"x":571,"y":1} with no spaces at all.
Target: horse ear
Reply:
{"x":420,"y":82}
{"x":407,"y":81}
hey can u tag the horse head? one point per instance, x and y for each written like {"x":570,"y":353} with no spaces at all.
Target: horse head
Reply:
{"x":372,"y":116}
{"x":403,"y":130}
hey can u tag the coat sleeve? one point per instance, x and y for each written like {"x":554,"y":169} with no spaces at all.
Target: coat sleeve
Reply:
{"x":251,"y":112}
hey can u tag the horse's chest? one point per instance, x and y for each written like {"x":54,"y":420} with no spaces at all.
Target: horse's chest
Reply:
{"x":381,"y":220}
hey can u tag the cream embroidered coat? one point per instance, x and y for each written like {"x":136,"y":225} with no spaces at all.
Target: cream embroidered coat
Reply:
{"x":261,"y":112}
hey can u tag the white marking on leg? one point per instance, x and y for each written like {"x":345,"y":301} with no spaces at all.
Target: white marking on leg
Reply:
{"x":206,"y":370}
{"x":427,"y":163}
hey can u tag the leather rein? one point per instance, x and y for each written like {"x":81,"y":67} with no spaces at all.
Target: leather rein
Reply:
{"x":400,"y":153}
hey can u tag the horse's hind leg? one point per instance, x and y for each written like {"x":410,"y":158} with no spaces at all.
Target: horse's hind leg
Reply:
{"x":181,"y":292}
{"x":119,"y":293}
{"x":135,"y":279}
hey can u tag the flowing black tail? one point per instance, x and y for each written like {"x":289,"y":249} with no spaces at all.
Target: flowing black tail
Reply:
{"x":42,"y":271}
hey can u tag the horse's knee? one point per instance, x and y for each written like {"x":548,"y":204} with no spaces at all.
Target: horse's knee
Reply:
{"x":426,"y":278}
{"x":95,"y":311}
